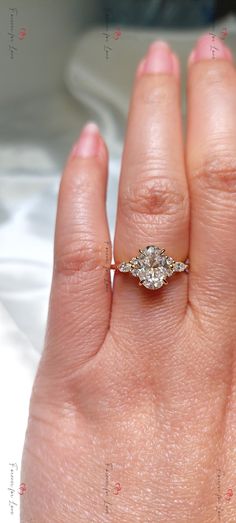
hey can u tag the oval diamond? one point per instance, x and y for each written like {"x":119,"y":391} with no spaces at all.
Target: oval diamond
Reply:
{"x":152,"y":278}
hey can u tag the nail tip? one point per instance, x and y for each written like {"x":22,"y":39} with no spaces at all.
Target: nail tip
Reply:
{"x":87,"y":144}
{"x":90,"y":126}
{"x":162,"y":44}
{"x":191,"y":57}
{"x":210,"y":46}
{"x":158,"y":60}
{"x":140,"y":68}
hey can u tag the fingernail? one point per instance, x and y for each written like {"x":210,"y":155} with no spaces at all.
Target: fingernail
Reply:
{"x":88,"y":143}
{"x":209,"y":46}
{"x":158,"y":59}
{"x":229,"y":54}
{"x":139,"y":70}
{"x":191,"y":58}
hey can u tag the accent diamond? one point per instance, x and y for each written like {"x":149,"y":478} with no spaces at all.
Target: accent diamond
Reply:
{"x":136,"y":266}
{"x":124,"y":267}
{"x":179,"y":266}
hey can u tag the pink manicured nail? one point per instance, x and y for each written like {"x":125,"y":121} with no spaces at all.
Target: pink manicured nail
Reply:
{"x":88,"y":143}
{"x":191,"y":58}
{"x":209,"y":46}
{"x":229,"y":54}
{"x":139,"y":70}
{"x":158,"y":59}
{"x":159,"y":44}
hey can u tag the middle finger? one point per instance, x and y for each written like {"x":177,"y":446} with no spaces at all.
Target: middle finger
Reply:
{"x":153,"y":206}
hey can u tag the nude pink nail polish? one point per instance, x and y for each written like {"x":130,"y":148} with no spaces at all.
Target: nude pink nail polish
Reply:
{"x":209,"y":46}
{"x":159,"y":44}
{"x":158,"y":59}
{"x":191,"y":58}
{"x":139,"y":70}
{"x":229,"y":54}
{"x":88,"y":143}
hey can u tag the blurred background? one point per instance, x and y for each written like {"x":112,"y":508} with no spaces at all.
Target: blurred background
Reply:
{"x":62,"y":64}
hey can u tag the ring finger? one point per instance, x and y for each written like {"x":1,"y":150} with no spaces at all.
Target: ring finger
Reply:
{"x":211,"y":160}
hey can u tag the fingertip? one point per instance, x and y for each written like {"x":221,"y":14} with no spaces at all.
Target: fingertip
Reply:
{"x":191,"y":58}
{"x":87,"y":143}
{"x":209,"y":46}
{"x":159,"y":58}
{"x":229,"y":54}
{"x":140,"y":68}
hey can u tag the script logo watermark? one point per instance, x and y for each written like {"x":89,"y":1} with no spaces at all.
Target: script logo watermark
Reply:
{"x":13,"y":32}
{"x":111,"y":487}
{"x":115,"y":35}
{"x":107,"y":279}
{"x":222,"y":497}
{"x":13,"y":490}
{"x":12,"y":503}
{"x":22,"y":489}
{"x":223,"y":34}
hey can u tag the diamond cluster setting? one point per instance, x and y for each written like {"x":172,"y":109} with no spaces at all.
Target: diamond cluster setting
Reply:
{"x":152,"y":267}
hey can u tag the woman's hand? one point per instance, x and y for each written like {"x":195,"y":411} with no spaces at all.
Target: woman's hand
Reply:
{"x":133,"y":411}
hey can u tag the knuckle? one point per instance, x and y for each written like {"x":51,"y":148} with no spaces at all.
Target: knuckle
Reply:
{"x":79,"y":256}
{"x":216,"y":174}
{"x":156,"y":197}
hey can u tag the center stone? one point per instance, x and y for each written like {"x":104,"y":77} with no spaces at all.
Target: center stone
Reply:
{"x":152,"y":278}
{"x":151,"y":267}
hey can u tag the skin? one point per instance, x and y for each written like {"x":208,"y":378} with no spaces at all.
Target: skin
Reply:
{"x":133,"y":410}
